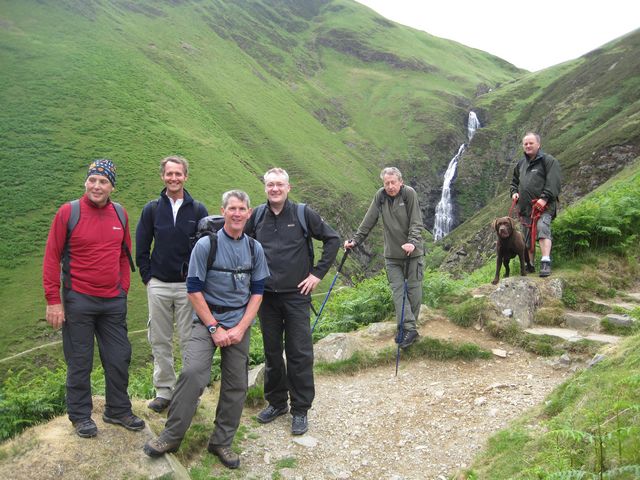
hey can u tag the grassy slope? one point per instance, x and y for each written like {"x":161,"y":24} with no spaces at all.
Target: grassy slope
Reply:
{"x":236,"y":87}
{"x":584,"y":109}
{"x":600,"y":403}
{"x":597,"y":405}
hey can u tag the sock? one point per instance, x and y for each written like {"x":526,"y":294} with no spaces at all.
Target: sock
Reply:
{"x":545,"y":259}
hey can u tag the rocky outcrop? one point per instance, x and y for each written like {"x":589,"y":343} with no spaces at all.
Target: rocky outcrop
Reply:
{"x":521,"y":296}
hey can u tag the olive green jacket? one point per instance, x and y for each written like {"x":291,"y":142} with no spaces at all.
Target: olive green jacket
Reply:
{"x":402,"y":221}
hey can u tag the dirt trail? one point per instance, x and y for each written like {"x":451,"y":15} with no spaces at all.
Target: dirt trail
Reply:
{"x":426,"y":423}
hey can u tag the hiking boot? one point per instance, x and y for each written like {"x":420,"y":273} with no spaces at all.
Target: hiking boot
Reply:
{"x":228,"y":457}
{"x":545,"y":269}
{"x":270,"y":413}
{"x":158,"y":404}
{"x":130,"y":422}
{"x":158,"y":447}
{"x":85,"y":428}
{"x":299,"y":424}
{"x":530,"y":268}
{"x":408,"y":338}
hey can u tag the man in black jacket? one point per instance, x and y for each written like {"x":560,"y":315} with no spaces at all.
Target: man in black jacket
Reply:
{"x":170,"y":223}
{"x":284,"y":312}
{"x":536,"y":186}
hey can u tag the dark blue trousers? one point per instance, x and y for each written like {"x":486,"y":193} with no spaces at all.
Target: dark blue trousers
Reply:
{"x":284,"y":320}
{"x":87,"y":317}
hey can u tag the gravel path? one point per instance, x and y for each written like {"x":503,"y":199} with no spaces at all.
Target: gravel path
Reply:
{"x":427,"y":423}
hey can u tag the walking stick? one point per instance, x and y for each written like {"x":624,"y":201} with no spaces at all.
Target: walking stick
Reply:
{"x":404,"y":297}
{"x":344,"y":257}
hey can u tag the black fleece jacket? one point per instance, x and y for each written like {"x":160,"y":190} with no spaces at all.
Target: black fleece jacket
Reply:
{"x":286,"y":249}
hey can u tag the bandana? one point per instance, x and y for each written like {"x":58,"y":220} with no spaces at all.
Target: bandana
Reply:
{"x":105,"y":168}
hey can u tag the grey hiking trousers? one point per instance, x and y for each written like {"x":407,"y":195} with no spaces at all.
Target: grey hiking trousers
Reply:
{"x":195,"y":376}
{"x":395,"y":275}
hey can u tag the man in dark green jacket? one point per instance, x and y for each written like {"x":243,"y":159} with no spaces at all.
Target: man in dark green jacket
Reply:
{"x":402,"y":219}
{"x":536,"y":186}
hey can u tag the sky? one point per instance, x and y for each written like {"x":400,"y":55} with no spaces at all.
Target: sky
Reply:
{"x":530,"y":35}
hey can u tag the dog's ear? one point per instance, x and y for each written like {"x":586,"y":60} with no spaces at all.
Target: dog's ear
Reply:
{"x":512,"y":222}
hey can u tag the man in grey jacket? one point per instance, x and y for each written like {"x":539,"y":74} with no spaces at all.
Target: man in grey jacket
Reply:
{"x":398,"y":205}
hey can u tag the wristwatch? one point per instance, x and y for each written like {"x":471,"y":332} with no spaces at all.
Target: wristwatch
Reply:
{"x":212,"y":328}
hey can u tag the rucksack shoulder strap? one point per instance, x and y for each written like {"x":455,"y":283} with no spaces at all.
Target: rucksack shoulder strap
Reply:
{"x":301,"y":211}
{"x":260,"y":212}
{"x":74,"y":217}
{"x":121,"y":215}
{"x":123,"y":220}
{"x":213,"y":248}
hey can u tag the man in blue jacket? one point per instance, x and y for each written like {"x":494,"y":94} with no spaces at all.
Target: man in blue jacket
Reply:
{"x":170,"y":223}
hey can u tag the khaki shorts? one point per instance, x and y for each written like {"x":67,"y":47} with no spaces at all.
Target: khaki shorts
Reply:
{"x":543,"y":229}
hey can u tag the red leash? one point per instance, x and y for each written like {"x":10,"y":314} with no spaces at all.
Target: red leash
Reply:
{"x":513,"y":204}
{"x":536,"y":213}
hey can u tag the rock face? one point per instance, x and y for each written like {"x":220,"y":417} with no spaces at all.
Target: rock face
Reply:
{"x":523,"y":295}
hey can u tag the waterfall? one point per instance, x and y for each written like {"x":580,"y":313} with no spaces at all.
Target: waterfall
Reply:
{"x":444,"y":209}
{"x":473,"y":124}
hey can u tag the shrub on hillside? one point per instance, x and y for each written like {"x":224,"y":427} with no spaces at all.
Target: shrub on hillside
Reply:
{"x":368,"y":302}
{"x":469,"y":312}
{"x":605,"y":220}
{"x":23,"y":404}
{"x":438,"y":288}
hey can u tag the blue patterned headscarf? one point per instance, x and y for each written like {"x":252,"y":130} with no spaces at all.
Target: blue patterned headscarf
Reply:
{"x":104,"y":167}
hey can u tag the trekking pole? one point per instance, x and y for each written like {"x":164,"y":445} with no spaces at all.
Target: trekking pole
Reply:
{"x":401,"y":328}
{"x":344,"y":257}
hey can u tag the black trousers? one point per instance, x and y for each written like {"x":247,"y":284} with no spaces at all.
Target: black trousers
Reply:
{"x":284,"y":320}
{"x":105,"y":318}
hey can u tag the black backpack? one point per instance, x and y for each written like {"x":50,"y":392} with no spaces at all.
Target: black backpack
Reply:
{"x":209,"y":227}
{"x":74,"y":218}
{"x":301,"y":214}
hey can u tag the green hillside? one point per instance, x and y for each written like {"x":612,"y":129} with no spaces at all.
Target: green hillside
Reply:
{"x":328,"y":90}
{"x":588,"y":114}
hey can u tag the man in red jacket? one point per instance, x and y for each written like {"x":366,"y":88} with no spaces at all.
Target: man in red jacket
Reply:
{"x":92,"y":250}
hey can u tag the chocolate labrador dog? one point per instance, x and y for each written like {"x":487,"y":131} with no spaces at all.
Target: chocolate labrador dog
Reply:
{"x":510,"y":243}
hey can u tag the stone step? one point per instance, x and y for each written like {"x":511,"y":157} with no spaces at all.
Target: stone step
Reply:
{"x":572,"y":335}
{"x":609,"y":304}
{"x":634,"y":296}
{"x":582,"y":321}
{"x":620,"y":320}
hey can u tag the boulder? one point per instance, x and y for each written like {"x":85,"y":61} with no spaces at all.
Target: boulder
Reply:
{"x":256,"y":376}
{"x":520,"y":295}
{"x":336,"y":347}
{"x":380,"y":330}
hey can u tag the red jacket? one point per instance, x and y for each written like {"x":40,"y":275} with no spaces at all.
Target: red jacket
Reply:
{"x":98,"y":264}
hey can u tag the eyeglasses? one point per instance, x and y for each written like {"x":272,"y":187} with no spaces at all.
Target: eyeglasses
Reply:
{"x":271,"y":185}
